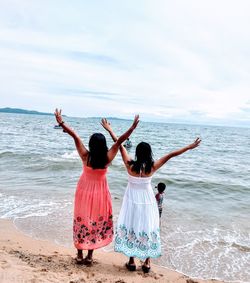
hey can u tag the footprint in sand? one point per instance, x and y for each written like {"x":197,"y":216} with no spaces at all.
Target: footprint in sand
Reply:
{"x":80,"y":280}
{"x":5,"y":264}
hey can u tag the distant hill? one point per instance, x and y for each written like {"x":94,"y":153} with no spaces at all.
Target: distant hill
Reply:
{"x":22,"y":111}
{"x":111,"y":118}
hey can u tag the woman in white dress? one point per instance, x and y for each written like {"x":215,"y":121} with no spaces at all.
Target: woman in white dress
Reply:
{"x":137,"y":232}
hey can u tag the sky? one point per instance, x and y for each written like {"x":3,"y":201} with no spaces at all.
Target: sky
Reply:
{"x":169,"y":61}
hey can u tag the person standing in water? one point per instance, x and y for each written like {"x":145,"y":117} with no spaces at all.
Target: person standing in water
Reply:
{"x":128,"y":143}
{"x":137,"y":232}
{"x":93,"y":224}
{"x":159,"y":196}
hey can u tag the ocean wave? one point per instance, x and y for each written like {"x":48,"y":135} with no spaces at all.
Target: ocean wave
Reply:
{"x":71,"y":155}
{"x":19,"y":155}
{"x":209,"y":253}
{"x":39,"y":157}
{"x":205,"y":185}
{"x":241,"y":247}
{"x":35,"y":214}
{"x":6,"y":154}
{"x":67,"y":156}
{"x":13,"y":207}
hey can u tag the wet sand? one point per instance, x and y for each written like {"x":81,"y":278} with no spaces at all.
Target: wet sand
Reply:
{"x":25,"y":259}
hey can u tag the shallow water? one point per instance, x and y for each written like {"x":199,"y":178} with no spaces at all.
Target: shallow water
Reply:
{"x":205,"y":224}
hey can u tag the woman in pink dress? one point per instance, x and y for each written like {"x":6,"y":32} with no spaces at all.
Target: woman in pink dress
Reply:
{"x":93,"y":224}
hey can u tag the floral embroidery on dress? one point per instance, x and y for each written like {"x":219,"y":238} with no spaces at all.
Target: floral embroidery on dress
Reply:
{"x":142,"y":246}
{"x":90,"y":232}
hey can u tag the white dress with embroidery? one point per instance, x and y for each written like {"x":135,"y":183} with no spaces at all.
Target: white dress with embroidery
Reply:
{"x":137,"y":232}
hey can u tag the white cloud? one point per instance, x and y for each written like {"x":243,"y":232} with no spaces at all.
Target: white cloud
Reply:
{"x":165,"y":60}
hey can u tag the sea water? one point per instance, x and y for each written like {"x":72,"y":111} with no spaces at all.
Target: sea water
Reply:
{"x":205,"y":227}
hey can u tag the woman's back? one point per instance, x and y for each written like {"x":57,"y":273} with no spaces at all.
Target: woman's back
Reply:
{"x":92,"y":210}
{"x":139,"y":190}
{"x":94,"y":174}
{"x":137,"y":231}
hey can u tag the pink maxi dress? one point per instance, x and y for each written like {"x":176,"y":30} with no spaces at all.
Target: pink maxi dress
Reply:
{"x":93,"y":225}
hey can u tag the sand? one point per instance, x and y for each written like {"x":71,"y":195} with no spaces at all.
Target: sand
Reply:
{"x":24,"y":259}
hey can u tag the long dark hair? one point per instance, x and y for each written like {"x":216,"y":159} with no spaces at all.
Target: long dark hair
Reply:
{"x":143,"y":158}
{"x":97,"y":158}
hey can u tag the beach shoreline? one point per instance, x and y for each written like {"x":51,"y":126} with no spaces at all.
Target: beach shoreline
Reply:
{"x":25,"y":259}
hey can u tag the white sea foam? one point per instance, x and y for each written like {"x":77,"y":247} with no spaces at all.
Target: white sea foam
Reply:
{"x":208,"y":253}
{"x":13,"y":207}
{"x":71,"y":155}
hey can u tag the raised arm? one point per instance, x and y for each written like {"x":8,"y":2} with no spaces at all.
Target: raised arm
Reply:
{"x":82,"y":151}
{"x":118,"y":141}
{"x":165,"y":158}
{"x":107,"y":126}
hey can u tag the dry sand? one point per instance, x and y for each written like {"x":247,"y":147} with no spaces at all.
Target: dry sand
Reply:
{"x":24,"y":259}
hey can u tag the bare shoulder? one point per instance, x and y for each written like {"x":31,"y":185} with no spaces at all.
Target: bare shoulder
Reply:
{"x":142,"y":174}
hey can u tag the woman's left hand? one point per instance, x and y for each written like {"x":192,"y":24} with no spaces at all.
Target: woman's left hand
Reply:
{"x":58,"y":115}
{"x":136,"y":121}
{"x":106,"y":125}
{"x":195,"y":143}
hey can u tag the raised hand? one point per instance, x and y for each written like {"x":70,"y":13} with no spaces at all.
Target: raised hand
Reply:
{"x":118,"y":141}
{"x":106,"y":125}
{"x":195,"y":144}
{"x":136,"y":121}
{"x":58,"y":115}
